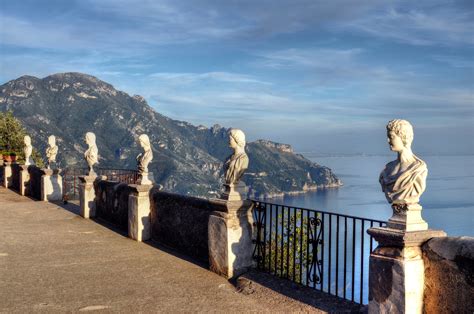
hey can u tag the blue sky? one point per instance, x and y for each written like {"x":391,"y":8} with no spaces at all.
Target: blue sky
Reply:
{"x":324,"y":76}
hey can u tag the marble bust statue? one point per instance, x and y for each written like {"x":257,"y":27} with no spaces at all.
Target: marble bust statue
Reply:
{"x":51,"y":150}
{"x":235,"y":166}
{"x":144,"y":159}
{"x":28,"y":150}
{"x":237,"y":163}
{"x":404,"y":179}
{"x":91,"y":155}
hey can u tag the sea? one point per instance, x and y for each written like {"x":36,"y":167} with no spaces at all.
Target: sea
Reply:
{"x":448,"y":202}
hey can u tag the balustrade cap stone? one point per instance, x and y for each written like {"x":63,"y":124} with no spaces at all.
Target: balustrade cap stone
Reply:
{"x":399,"y":238}
{"x":141,"y":188}
{"x":91,"y":179}
{"x":231,"y":206}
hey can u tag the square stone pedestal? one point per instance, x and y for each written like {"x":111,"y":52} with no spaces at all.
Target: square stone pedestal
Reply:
{"x":139,"y":223}
{"x":230,"y":232}
{"x":234,"y":192}
{"x":7,"y":174}
{"x":407,"y":217}
{"x":24,"y":180}
{"x":51,"y":185}
{"x":87,"y":195}
{"x":396,"y":270}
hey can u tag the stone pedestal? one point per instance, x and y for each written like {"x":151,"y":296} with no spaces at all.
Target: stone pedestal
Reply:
{"x":230,"y":237}
{"x":407,"y":217}
{"x":139,"y":224}
{"x":51,"y":185}
{"x":396,"y":270}
{"x":145,"y":178}
{"x":7,"y":174}
{"x":24,"y":180}
{"x":234,"y":192}
{"x":87,"y":195}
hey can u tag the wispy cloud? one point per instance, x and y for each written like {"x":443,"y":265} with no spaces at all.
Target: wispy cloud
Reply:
{"x":428,"y":25}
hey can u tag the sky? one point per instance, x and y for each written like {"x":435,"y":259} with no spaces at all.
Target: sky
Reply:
{"x":323,"y":76}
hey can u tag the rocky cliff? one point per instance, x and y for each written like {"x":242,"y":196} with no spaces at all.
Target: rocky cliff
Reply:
{"x":188,"y":158}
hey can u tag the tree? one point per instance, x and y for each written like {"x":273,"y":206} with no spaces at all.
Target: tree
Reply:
{"x":12,"y":134}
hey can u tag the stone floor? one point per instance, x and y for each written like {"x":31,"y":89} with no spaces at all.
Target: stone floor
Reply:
{"x":52,"y":260}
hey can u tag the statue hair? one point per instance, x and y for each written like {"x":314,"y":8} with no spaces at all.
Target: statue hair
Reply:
{"x":90,"y":136}
{"x":238,"y":136}
{"x":145,"y":139}
{"x":403,"y":129}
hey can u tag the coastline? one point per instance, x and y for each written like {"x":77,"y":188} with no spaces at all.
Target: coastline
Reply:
{"x":280,"y":195}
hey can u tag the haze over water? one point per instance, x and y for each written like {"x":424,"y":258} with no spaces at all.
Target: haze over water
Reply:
{"x":447,"y":202}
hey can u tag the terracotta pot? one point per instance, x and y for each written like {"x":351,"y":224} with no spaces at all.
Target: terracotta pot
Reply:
{"x":9,"y":158}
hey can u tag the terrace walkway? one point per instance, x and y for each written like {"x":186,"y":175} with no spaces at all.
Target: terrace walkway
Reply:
{"x":52,"y":260}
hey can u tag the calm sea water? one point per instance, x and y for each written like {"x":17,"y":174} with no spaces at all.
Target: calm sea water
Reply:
{"x":448,"y":202}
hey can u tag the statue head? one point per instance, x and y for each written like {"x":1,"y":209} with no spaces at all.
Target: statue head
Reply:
{"x":236,"y":138}
{"x":399,"y":134}
{"x":144,"y":141}
{"x":52,"y":140}
{"x":27,"y":140}
{"x":89,"y":138}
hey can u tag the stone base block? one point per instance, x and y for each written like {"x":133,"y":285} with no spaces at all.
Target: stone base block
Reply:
{"x":51,"y":185}
{"x":24,"y":181}
{"x":87,"y":196}
{"x":7,"y":174}
{"x":139,"y":223}
{"x":396,"y":270}
{"x":230,"y":239}
{"x":234,"y":192}
{"x":407,"y":217}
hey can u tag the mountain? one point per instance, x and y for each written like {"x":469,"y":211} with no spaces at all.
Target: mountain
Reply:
{"x":187,"y":158}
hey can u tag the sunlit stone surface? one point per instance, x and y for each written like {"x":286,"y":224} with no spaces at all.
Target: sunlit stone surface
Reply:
{"x":28,"y":150}
{"x":91,"y":155}
{"x":404,"y":179}
{"x":396,"y":270}
{"x":235,"y":167}
{"x":51,"y":185}
{"x":144,"y":159}
{"x":51,"y":151}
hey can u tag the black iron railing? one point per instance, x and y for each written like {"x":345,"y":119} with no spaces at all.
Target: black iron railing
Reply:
{"x":71,"y":179}
{"x":322,"y":250}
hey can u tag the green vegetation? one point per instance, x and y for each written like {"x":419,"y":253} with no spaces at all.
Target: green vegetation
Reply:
{"x":12,"y":133}
{"x":289,"y":253}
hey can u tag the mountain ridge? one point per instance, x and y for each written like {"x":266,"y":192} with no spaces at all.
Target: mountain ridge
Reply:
{"x":188,"y":158}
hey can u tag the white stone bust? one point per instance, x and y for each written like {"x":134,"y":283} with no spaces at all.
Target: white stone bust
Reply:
{"x":146,"y":157}
{"x":28,"y":150}
{"x":237,"y":163}
{"x":51,"y":150}
{"x":404,"y":179}
{"x":91,"y":155}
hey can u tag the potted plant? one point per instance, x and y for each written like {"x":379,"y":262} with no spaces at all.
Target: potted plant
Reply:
{"x":9,"y":156}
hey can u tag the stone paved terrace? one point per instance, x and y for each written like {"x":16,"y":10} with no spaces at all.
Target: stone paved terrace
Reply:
{"x":52,"y":260}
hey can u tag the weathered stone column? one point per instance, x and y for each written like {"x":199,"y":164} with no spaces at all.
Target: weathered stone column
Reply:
{"x":87,"y":195}
{"x":139,"y":224}
{"x":51,"y":185}
{"x":396,"y":270}
{"x":230,"y":231}
{"x":7,"y":174}
{"x":24,"y":180}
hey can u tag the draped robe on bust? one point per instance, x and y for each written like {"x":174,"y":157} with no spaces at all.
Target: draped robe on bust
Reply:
{"x":404,"y":187}
{"x":235,"y":166}
{"x":143,"y":160}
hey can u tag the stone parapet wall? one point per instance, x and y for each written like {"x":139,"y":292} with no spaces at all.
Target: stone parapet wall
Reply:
{"x":112,"y":202}
{"x":35,"y":181}
{"x":181,"y":222}
{"x":449,"y":275}
{"x":15,"y":177}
